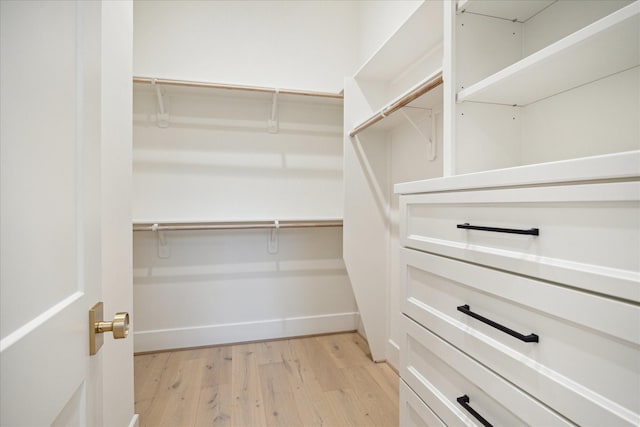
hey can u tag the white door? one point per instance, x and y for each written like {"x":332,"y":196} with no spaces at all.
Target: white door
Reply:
{"x":51,"y":118}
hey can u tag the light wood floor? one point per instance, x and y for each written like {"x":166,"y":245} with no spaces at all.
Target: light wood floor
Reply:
{"x":324,"y":381}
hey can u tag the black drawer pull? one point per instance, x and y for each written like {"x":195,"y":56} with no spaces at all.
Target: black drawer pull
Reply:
{"x":531,"y":231}
{"x":464,"y":402}
{"x":526,"y":338}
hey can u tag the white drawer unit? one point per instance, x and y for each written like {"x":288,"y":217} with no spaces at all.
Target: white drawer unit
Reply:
{"x":523,"y":293}
{"x":414,"y":412}
{"x":551,"y":341}
{"x":586,"y":236}
{"x":462,"y":391}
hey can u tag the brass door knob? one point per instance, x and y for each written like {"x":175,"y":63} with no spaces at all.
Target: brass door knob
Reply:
{"x":119,"y":326}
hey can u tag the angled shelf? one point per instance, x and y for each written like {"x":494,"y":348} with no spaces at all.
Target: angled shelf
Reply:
{"x":425,"y":95}
{"x":414,"y":39}
{"x":606,"y":47}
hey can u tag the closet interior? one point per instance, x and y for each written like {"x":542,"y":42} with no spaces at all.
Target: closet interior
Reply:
{"x":475,"y":185}
{"x":237,"y":214}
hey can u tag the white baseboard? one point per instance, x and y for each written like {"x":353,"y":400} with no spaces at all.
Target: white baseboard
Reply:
{"x":164,"y":339}
{"x":393,"y":354}
{"x":135,"y":421}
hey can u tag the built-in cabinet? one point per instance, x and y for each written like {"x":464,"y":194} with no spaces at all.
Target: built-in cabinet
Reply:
{"x":537,"y":81}
{"x":495,"y":219}
{"x":539,"y":285}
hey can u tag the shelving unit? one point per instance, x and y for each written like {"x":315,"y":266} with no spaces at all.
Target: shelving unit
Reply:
{"x":606,"y":47}
{"x":581,"y":69}
{"x":540,"y":188}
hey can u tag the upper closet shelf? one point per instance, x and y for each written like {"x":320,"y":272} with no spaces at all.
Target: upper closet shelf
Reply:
{"x":604,"y":48}
{"x":208,"y":85}
{"x":415,"y":38}
{"x":519,"y":11}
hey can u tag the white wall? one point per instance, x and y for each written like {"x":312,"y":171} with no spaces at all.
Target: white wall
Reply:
{"x":217,"y":161}
{"x":378,"y":20}
{"x":290,"y":44}
{"x":224,"y":286}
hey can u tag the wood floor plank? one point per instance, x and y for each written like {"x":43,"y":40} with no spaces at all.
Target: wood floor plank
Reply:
{"x":273,"y":351}
{"x":218,"y":366}
{"x":383,"y":410}
{"x":154,"y":405}
{"x":181,"y":403}
{"x":311,"y":381}
{"x":386,"y":378}
{"x":347,"y":405}
{"x":248,"y":403}
{"x":214,"y":406}
{"x":147,"y":373}
{"x":313,"y":404}
{"x":326,"y":371}
{"x":344,"y":351}
{"x":362,"y":343}
{"x":280,"y":408}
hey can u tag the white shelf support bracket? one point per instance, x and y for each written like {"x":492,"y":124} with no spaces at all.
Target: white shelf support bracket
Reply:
{"x":431,"y":139}
{"x":164,"y":248}
{"x":273,"y":121}
{"x":272,"y":246}
{"x":162,"y":118}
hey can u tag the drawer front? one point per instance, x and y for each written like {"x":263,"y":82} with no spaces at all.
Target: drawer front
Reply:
{"x":589,"y":235}
{"x":584,"y":364}
{"x":414,"y":412}
{"x":440,"y":375}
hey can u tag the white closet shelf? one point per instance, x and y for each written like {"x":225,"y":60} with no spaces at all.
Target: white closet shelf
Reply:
{"x":426,"y":94}
{"x":415,"y":38}
{"x":245,"y":88}
{"x":519,"y":11}
{"x":233,"y":225}
{"x":606,"y":47}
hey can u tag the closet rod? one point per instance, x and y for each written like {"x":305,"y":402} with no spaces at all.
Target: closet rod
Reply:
{"x":402,"y":102}
{"x":235,"y":225}
{"x":169,"y":82}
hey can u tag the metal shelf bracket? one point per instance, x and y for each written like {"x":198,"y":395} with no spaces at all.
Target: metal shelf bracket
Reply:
{"x":162,"y":117}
